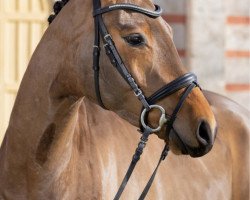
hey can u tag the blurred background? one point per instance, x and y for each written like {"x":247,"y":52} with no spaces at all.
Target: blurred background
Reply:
{"x":212,"y":38}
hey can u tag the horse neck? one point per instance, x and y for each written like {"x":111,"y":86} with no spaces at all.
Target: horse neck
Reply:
{"x":51,"y":76}
{"x":45,"y":116}
{"x":49,"y":91}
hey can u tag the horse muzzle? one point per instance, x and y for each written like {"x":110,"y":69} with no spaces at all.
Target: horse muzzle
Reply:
{"x":204,"y":142}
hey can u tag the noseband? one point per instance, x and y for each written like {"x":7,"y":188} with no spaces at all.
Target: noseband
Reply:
{"x":187,"y":81}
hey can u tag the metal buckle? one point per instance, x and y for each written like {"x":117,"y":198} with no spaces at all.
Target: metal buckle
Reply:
{"x":162,"y":119}
{"x":107,"y":36}
{"x":138,"y":93}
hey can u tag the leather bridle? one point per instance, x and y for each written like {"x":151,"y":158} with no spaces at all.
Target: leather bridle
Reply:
{"x":187,"y":81}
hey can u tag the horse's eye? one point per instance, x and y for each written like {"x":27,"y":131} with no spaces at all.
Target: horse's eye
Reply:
{"x":135,"y":39}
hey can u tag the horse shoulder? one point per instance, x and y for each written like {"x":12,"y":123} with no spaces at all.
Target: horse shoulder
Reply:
{"x":234,"y":132}
{"x":232,"y":119}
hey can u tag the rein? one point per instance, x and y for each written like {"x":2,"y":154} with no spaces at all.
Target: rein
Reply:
{"x":187,"y":81}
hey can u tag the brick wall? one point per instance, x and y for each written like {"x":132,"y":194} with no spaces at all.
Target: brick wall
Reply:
{"x":213,"y":38}
{"x":237,"y":51}
{"x":175,"y":14}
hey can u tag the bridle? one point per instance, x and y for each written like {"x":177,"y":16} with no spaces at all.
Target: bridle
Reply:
{"x":187,"y":81}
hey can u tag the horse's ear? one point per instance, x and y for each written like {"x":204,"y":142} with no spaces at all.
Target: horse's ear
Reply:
{"x":57,"y":8}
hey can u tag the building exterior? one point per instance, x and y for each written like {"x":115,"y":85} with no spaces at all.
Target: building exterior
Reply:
{"x":212,"y":38}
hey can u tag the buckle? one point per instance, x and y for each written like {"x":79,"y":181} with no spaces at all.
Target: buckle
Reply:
{"x":162,"y":119}
{"x":106,"y":37}
{"x":138,"y":93}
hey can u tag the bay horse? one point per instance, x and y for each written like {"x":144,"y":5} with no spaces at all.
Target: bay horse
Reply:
{"x":60,"y":144}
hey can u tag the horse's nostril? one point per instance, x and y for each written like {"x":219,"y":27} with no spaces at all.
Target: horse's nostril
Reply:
{"x":204,"y":133}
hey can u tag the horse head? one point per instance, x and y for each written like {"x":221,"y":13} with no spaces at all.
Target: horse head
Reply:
{"x":147,"y":49}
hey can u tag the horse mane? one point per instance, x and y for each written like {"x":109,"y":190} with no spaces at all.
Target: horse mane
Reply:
{"x":58,"y":5}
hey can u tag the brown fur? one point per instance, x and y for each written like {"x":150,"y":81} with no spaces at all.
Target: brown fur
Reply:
{"x":61,"y":145}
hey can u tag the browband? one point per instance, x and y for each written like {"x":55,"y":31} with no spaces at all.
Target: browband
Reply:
{"x":128,"y":6}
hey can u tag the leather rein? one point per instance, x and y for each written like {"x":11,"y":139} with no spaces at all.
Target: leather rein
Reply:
{"x":187,"y":81}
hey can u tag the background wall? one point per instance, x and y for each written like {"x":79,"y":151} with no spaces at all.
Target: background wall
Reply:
{"x":212,"y":38}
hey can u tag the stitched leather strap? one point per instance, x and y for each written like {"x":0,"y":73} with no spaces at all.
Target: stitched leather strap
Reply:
{"x":169,"y":127}
{"x":179,"y":105}
{"x":188,"y":81}
{"x":96,"y":55}
{"x":135,"y":159}
{"x":173,"y":87}
{"x":151,"y":180}
{"x":132,"y":7}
